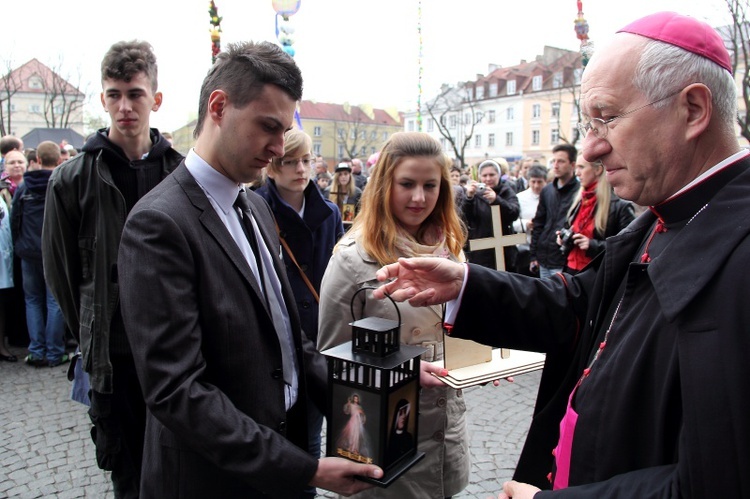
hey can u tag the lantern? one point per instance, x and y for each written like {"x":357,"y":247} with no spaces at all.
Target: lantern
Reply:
{"x":373,"y":398}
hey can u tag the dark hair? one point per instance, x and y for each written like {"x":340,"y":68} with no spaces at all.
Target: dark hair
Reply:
{"x":124,"y":60}
{"x":243,"y":70}
{"x":31,"y":155}
{"x":571,"y":150}
{"x":537,"y":171}
{"x":9,"y":143}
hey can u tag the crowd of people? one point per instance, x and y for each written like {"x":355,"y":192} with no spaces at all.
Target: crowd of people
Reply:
{"x":202,"y":289}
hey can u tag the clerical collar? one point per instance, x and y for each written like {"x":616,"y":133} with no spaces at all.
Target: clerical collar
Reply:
{"x":686,"y":202}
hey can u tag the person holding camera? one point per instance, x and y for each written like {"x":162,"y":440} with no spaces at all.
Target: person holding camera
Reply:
{"x":596,"y":214}
{"x":480,"y":196}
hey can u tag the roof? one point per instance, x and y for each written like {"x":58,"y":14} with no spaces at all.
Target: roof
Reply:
{"x":311,"y":110}
{"x":56,"y":135}
{"x":52,"y":81}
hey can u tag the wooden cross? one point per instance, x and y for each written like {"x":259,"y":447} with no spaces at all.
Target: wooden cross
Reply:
{"x":498,"y":242}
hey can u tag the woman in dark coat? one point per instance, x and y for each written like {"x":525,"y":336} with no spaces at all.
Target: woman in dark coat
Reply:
{"x":596,"y":214}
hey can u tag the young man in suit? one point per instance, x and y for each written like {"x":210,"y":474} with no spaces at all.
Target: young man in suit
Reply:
{"x":221,"y":358}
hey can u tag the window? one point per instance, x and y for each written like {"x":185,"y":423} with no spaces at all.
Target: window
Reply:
{"x":342,"y":133}
{"x":317,"y":148}
{"x":491,"y":116}
{"x":374,"y":135}
{"x":536,"y":82}
{"x":385,"y":136}
{"x":535,"y":137}
{"x":363,"y":135}
{"x":491,"y":140}
{"x":353,"y":134}
{"x":508,"y":138}
{"x":577,"y":73}
{"x":410,"y":125}
{"x":430,"y":125}
{"x":554,"y":136}
{"x":13,"y":107}
{"x":480,"y":92}
{"x":35,"y":82}
{"x":477,"y":141}
{"x":467,"y":119}
{"x":536,"y":111}
{"x":469,"y":93}
{"x":557,"y":80}
{"x":341,"y":150}
{"x":511,"y":87}
{"x":442,"y":142}
{"x":363,"y":151}
{"x":509,"y":114}
{"x":35,"y":108}
{"x":555,"y":109}
{"x":372,"y":150}
{"x":493,"y":89}
{"x":452,"y":121}
{"x":317,"y":131}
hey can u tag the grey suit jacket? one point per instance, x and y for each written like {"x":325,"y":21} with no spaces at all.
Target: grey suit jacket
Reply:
{"x":207,"y":356}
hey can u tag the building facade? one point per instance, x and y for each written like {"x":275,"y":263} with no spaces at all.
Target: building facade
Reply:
{"x":34,"y":96}
{"x":516,"y":111}
{"x":341,"y":131}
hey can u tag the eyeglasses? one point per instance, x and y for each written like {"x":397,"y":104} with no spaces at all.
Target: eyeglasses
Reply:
{"x":600,"y":127}
{"x":293,"y":162}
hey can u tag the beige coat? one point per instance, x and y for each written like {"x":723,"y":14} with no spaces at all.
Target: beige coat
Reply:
{"x":442,"y":426}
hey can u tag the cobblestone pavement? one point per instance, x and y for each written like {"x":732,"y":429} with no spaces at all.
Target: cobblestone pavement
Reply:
{"x":46,"y":451}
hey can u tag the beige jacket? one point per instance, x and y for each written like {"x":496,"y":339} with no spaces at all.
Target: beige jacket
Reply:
{"x":442,"y":426}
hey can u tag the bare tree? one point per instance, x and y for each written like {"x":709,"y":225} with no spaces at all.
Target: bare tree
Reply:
{"x":736,"y":37}
{"x":62,"y":100}
{"x":9,"y":85}
{"x":455,"y":117}
{"x":355,"y":133}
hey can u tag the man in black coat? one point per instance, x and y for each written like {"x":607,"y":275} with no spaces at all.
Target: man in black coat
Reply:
{"x":551,"y":212}
{"x":654,"y":400}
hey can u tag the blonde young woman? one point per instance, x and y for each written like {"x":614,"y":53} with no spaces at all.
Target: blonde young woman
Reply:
{"x":596,"y":214}
{"x":406,"y":210}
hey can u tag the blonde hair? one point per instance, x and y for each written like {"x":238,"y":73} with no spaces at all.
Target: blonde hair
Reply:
{"x":376,"y":225}
{"x":296,"y":143}
{"x":603,"y":199}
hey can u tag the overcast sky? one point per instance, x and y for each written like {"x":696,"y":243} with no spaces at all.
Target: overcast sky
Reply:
{"x":354,"y":51}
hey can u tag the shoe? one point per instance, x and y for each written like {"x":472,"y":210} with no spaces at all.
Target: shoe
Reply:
{"x":35,"y":361}
{"x":62,"y":360}
{"x":8,"y":358}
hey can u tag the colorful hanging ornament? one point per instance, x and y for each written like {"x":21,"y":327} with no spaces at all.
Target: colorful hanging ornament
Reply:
{"x":421,"y":69}
{"x":285,"y":31}
{"x":582,"y":33}
{"x":286,"y":8}
{"x":213,"y":11}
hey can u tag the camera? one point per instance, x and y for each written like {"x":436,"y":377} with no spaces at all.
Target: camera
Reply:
{"x":481,"y":186}
{"x":566,"y":239}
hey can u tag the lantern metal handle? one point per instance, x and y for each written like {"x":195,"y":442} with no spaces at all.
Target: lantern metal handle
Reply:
{"x":351,"y":305}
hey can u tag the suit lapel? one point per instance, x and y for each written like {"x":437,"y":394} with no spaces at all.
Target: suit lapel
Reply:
{"x":214,"y":226}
